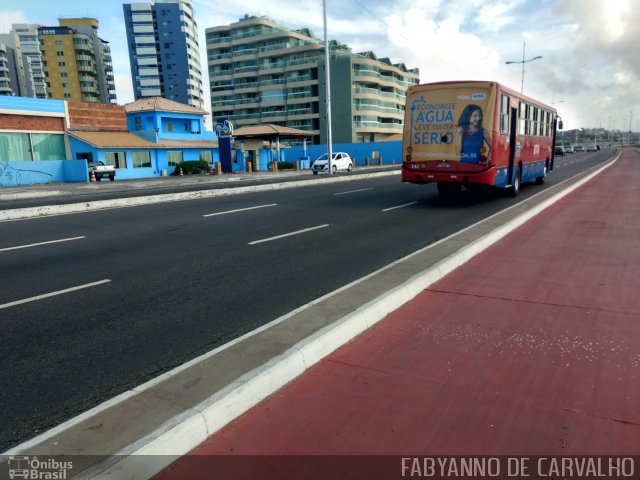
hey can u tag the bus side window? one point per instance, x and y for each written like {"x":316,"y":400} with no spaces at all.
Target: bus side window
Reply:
{"x":504,"y":114}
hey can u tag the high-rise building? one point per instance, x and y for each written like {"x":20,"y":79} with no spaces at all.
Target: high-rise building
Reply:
{"x":262,"y":72}
{"x":13,"y":81}
{"x":163,"y":51}
{"x":32,"y":60}
{"x":77,"y":63}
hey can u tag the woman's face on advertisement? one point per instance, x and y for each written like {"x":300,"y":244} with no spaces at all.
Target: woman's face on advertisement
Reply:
{"x":476,"y":117}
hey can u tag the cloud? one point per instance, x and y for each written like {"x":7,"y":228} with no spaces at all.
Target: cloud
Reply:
{"x":9,"y":17}
{"x":440,"y":49}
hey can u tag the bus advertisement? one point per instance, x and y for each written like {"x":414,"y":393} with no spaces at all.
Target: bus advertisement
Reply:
{"x":473,"y":132}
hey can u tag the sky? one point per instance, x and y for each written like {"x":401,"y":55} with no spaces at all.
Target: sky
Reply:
{"x":589,"y":70}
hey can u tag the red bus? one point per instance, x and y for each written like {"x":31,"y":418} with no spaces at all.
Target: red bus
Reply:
{"x":476,"y":132}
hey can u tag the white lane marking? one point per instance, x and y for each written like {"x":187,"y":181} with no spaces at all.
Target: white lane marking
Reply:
{"x":399,"y":206}
{"x":240,"y":210}
{"x":41,"y":243}
{"x":53,"y":294}
{"x":353,"y":191}
{"x":288,"y":234}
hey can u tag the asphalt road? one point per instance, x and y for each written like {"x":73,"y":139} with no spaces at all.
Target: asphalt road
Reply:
{"x":132,"y":292}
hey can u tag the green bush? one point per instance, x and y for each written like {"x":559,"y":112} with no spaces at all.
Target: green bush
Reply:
{"x":195,"y":166}
{"x":285,"y":166}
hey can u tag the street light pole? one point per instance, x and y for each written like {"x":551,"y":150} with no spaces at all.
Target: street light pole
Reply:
{"x":327,"y":59}
{"x":523,"y":61}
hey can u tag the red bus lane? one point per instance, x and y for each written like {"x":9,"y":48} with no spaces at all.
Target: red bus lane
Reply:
{"x":531,"y":348}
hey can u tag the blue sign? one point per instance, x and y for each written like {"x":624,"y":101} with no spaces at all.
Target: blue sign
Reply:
{"x":224,"y":130}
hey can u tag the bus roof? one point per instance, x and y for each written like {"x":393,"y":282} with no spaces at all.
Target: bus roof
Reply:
{"x":502,"y":87}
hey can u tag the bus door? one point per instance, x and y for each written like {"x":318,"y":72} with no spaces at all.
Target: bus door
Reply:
{"x":513,"y":124}
{"x":553,"y":141}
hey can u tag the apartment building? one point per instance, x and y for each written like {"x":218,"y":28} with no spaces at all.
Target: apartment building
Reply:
{"x":163,"y":51}
{"x":263,"y":72}
{"x":77,"y":63}
{"x":12,"y":71}
{"x":32,"y":59}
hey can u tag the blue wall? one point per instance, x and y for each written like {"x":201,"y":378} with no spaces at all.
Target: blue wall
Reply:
{"x":13,"y":174}
{"x":32,"y":105}
{"x":159,"y":158}
{"x":391,"y":152}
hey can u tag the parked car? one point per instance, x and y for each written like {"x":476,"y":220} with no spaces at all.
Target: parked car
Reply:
{"x":592,"y":148}
{"x":559,"y":150}
{"x":568,"y":149}
{"x":100,"y":170}
{"x":340,"y":161}
{"x":578,"y":148}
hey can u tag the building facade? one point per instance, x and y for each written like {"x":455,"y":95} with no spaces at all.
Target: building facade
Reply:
{"x":33,"y":143}
{"x":13,"y":75}
{"x":153,"y":138}
{"x":77,"y":63}
{"x":262,"y":72}
{"x":32,"y":59}
{"x":163,"y":51}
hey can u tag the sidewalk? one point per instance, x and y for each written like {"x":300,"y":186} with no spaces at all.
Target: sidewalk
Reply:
{"x":531,"y":348}
{"x":159,"y":184}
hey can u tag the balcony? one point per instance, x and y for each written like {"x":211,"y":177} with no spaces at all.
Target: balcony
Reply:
{"x":217,"y":40}
{"x":276,"y":115}
{"x":86,"y":68}
{"x":245,"y":69}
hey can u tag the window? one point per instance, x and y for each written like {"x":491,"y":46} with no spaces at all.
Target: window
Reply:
{"x":206,"y":156}
{"x":504,"y":114}
{"x":32,"y":146}
{"x":522,"y":118}
{"x":534,"y":121}
{"x":14,"y":146}
{"x":88,"y":156}
{"x":175,"y":158}
{"x":141,"y":159}
{"x":169,"y":127}
{"x":138,"y":123}
{"x":117,"y":159}
{"x":47,"y":147}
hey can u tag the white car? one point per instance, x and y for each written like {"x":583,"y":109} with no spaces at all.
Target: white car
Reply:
{"x":341,"y":161}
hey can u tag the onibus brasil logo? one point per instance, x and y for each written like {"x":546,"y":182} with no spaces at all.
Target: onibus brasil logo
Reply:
{"x":22,"y":466}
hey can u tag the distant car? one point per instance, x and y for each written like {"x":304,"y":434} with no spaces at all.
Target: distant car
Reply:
{"x":568,"y":149}
{"x":101,"y":170}
{"x":559,"y":150}
{"x":592,"y":148}
{"x":578,"y":148}
{"x":340,"y":161}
